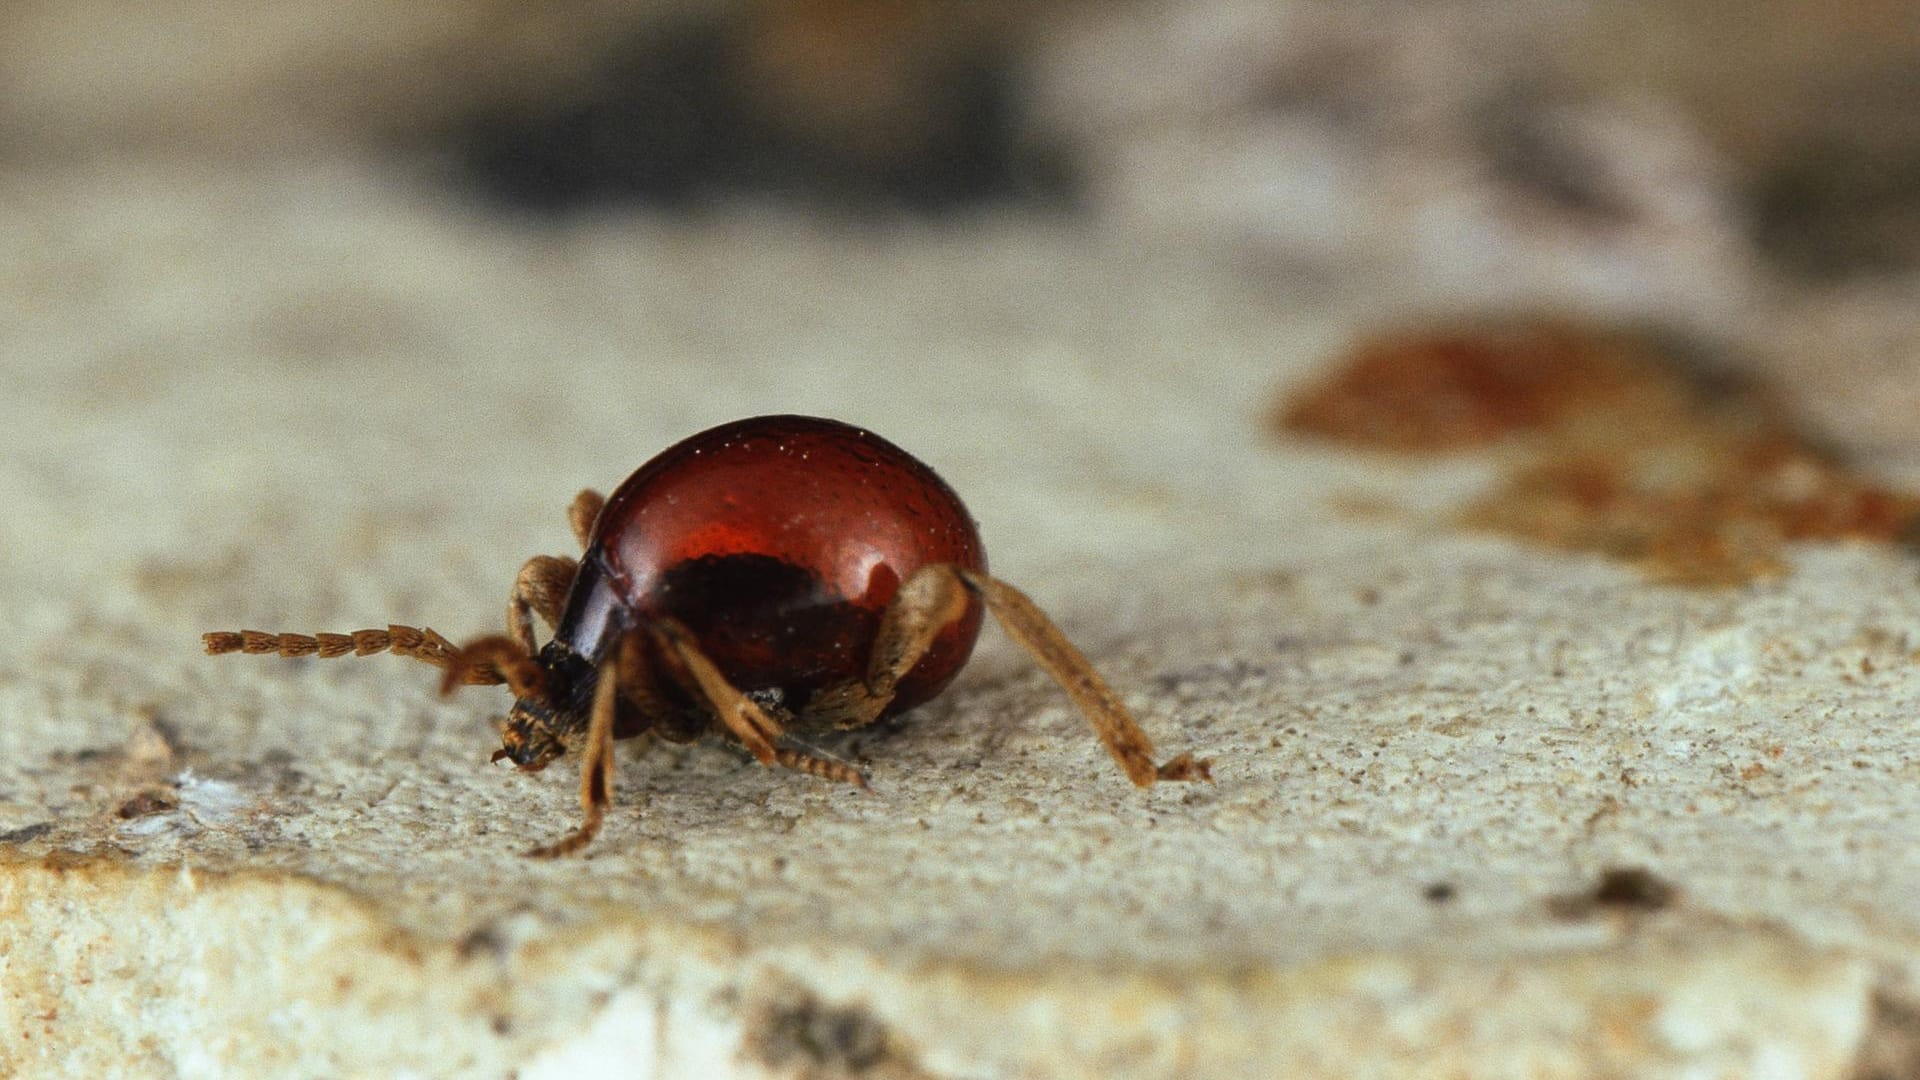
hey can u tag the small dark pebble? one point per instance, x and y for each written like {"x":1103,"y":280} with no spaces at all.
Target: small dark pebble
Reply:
{"x":1631,"y":889}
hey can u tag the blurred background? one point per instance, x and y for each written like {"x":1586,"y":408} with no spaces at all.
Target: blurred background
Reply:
{"x":314,"y":316}
{"x":1746,"y":174}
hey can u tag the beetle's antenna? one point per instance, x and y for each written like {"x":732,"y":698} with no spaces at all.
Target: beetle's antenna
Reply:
{"x":418,"y":642}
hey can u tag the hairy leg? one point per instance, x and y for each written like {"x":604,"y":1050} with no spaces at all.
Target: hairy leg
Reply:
{"x":1028,"y":625}
{"x":582,"y":513}
{"x":931,"y":599}
{"x":596,"y":754}
{"x":541,"y":588}
{"x":747,"y":719}
{"x":753,"y":723}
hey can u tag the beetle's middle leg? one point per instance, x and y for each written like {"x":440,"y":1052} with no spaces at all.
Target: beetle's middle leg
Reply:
{"x":541,"y":588}
{"x":583,"y":512}
{"x":755,"y":724}
{"x":747,"y":719}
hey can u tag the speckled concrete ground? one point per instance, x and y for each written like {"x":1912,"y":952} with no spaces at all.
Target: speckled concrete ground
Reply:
{"x":316,"y":401}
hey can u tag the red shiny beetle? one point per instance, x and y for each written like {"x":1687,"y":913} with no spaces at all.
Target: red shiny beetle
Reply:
{"x":772,"y":573}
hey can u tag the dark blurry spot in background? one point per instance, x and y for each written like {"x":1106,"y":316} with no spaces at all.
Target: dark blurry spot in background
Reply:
{"x":1844,"y":200}
{"x":1535,"y":147}
{"x":853,"y":104}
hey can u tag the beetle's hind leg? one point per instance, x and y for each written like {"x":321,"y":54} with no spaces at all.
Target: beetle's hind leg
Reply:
{"x":931,"y":599}
{"x":1027,"y":624}
{"x":934,"y":597}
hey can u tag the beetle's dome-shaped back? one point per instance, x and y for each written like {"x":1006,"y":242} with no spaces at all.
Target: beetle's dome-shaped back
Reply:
{"x":833,"y":499}
{"x":780,"y":540}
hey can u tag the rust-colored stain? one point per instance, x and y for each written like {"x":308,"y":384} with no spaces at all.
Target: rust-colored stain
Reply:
{"x":1613,"y":447}
{"x":1460,"y":388}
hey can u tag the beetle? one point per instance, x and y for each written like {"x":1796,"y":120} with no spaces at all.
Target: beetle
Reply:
{"x":773,"y":574}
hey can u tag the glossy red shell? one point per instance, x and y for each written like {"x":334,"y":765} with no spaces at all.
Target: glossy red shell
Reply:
{"x":779,"y":541}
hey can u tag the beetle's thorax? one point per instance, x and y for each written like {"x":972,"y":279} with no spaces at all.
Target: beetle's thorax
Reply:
{"x":595,"y":615}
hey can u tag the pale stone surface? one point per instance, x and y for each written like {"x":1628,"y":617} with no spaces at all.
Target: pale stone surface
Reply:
{"x":308,"y":401}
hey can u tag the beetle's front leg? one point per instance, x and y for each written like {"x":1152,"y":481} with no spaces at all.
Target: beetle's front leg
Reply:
{"x":627,"y":667}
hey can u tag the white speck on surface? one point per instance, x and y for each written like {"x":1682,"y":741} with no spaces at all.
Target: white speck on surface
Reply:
{"x":621,"y":1044}
{"x":210,"y":802}
{"x":1712,"y":672}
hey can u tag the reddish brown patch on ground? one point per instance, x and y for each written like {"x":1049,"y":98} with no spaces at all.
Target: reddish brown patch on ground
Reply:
{"x":1459,"y":388}
{"x":1617,"y":449}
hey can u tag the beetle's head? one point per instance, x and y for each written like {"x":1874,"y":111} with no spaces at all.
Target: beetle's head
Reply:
{"x":552,"y":694}
{"x":530,"y":738}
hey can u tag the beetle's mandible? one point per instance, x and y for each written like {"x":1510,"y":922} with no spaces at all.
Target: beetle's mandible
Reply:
{"x":772,"y":574}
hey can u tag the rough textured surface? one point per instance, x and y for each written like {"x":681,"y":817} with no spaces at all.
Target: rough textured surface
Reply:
{"x":312,"y":402}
